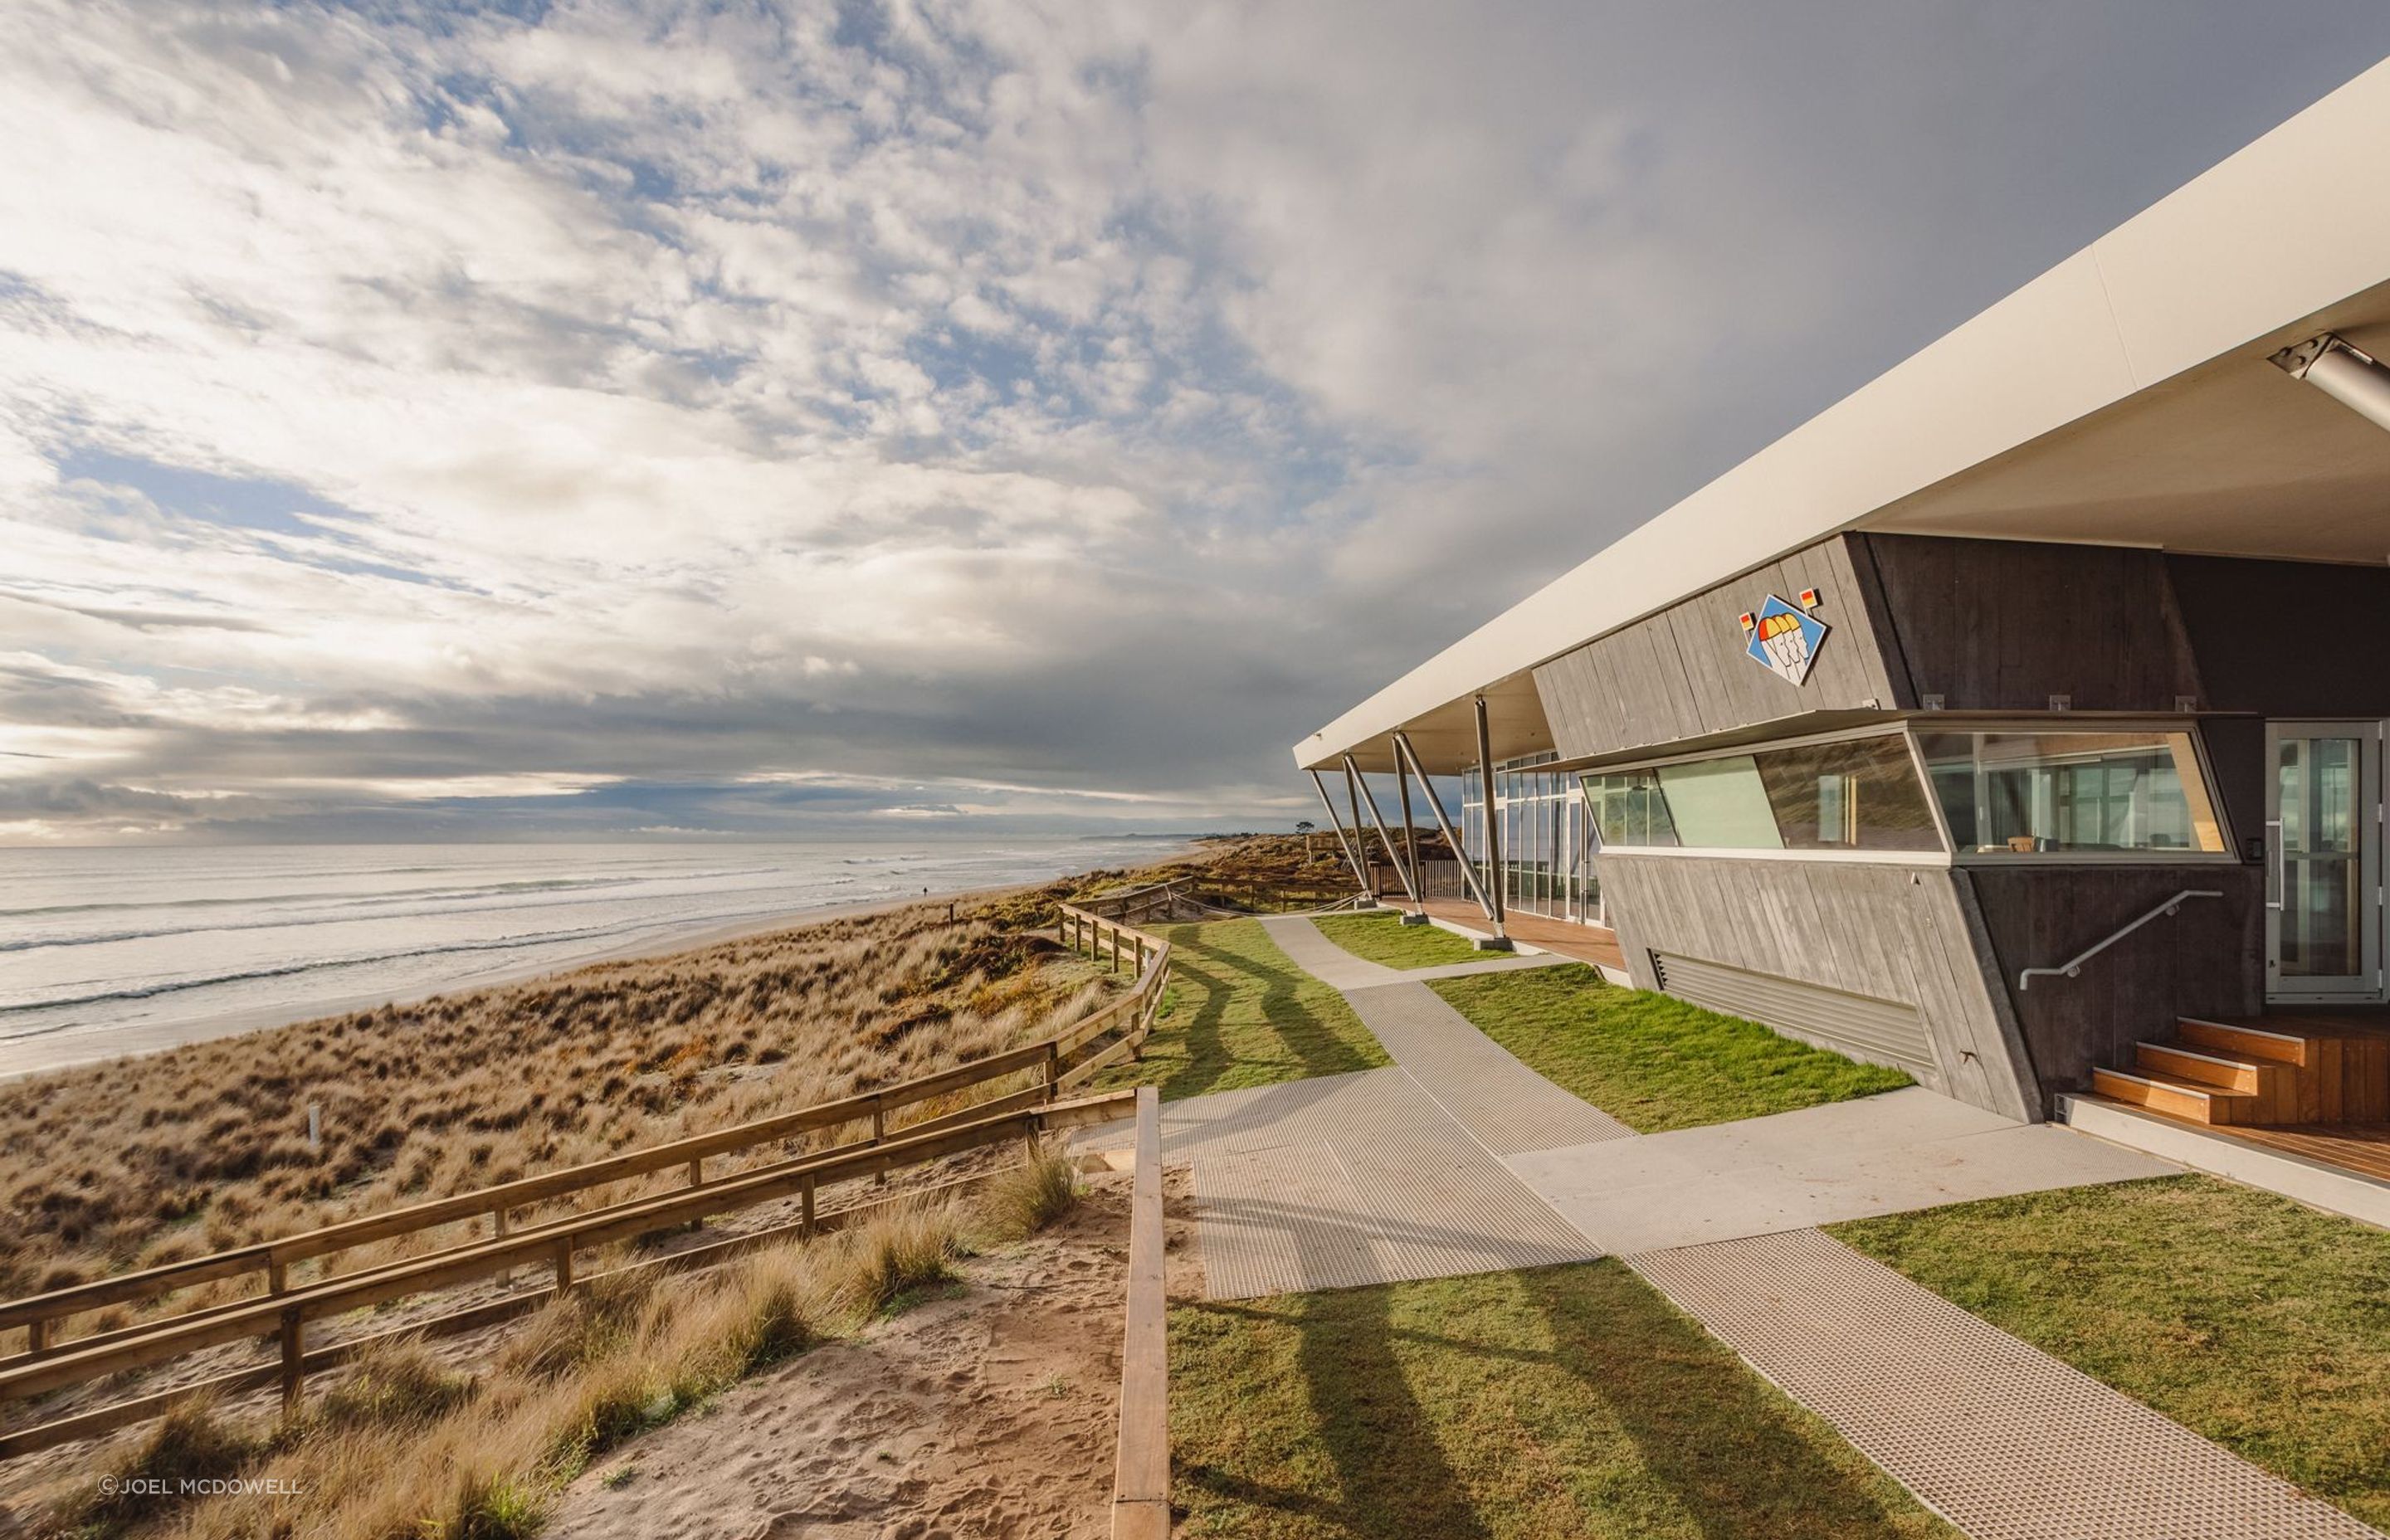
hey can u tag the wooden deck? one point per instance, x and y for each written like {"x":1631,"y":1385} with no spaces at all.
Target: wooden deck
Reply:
{"x":1585,"y":942}
{"x":2363,"y":1148}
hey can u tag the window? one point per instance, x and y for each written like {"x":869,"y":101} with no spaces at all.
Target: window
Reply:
{"x":2028,"y":794}
{"x":1856,"y":794}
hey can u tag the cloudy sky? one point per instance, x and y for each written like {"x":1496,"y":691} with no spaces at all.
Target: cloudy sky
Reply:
{"x":537,"y":420}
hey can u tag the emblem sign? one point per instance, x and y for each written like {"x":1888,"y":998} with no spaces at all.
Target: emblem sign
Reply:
{"x":1784,"y":638}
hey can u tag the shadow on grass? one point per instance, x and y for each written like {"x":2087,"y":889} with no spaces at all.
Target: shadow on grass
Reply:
{"x":1239,"y":1005}
{"x":1556,"y":1402}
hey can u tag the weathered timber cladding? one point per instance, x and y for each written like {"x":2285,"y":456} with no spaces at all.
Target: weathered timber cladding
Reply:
{"x":2207,"y":960}
{"x":1683,"y":673}
{"x":1891,"y":932}
{"x":2004,"y":625}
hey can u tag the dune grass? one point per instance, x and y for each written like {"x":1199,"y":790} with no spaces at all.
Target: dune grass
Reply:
{"x":404,"y":1446}
{"x":1240,"y":1013}
{"x":1557,"y":1403}
{"x":2255,"y":1321}
{"x":1381,"y":937}
{"x":1651,"y":1061}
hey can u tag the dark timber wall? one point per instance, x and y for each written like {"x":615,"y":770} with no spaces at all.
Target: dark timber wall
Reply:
{"x":2206,"y":959}
{"x":1984,"y":626}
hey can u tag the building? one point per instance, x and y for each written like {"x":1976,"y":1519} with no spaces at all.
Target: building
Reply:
{"x":2020,"y":706}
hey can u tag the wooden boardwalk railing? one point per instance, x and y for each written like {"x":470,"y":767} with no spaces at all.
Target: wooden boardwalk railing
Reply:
{"x":1142,"y":1475}
{"x":1052,"y":1066}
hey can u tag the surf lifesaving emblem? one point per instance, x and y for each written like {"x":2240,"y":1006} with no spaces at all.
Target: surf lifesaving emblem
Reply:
{"x":1782,"y":639}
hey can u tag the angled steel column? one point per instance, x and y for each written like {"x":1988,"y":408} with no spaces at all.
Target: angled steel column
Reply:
{"x":1360,"y":839}
{"x":1353,"y":772}
{"x":1436,"y":804}
{"x":1352,"y":860}
{"x":1410,"y":836}
{"x":1494,"y":875}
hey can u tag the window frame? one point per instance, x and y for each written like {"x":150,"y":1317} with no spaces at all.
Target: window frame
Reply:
{"x":1941,"y":858}
{"x":2053,"y":726}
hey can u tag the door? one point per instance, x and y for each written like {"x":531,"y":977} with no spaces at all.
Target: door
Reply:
{"x":2323,"y":879}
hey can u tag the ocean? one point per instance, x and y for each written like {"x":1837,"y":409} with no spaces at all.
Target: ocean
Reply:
{"x":106,"y":951}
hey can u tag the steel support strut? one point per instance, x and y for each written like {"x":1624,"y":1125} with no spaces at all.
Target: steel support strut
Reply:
{"x":1351,"y":858}
{"x":1409,"y":756}
{"x":1493,"y":822}
{"x":1360,"y":839}
{"x":1393,"y":856}
{"x":1410,"y":839}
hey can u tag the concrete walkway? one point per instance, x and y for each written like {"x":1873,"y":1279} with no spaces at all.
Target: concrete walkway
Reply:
{"x":1331,"y":964}
{"x":1462,"y":1158}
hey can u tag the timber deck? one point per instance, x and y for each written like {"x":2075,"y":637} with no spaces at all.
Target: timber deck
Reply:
{"x":1588,"y":944}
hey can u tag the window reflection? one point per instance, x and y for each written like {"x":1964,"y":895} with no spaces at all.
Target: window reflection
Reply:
{"x":2055,"y":793}
{"x":1858,"y":794}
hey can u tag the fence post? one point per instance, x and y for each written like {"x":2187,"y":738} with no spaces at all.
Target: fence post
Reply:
{"x":878,"y":1133}
{"x":1053,"y":1070}
{"x":499,"y":1232}
{"x":37,"y":1336}
{"x":563,"y":1265}
{"x":278,"y":1276}
{"x":806,"y":1194}
{"x":696,"y":1172}
{"x":294,"y":1349}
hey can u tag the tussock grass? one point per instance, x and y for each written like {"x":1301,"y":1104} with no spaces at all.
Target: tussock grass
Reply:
{"x":1023,"y":1199}
{"x":193,"y":1443}
{"x":401,"y":1450}
{"x":202,"y":1148}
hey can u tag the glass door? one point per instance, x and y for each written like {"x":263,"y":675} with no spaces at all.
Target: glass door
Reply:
{"x":2323,"y":878}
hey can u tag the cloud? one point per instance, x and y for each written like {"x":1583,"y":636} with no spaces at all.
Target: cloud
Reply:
{"x":435,"y":421}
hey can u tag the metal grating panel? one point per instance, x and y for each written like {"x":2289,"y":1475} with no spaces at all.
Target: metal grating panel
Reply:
{"x":2000,"y":1438}
{"x":1855,"y":1023}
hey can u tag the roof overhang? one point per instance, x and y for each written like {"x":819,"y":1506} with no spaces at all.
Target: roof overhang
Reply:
{"x":2124,"y":397}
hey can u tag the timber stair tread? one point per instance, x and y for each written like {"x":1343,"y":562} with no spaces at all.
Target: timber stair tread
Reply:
{"x":2268,"y":1071}
{"x":2165,"y":1093}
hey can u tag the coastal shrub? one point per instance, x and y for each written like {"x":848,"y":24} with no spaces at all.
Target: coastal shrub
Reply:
{"x":190,"y":1443}
{"x":906,"y":1247}
{"x":394,"y":1384}
{"x":1023,"y":1199}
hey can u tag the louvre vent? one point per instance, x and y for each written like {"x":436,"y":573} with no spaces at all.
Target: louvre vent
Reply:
{"x":1885,"y":1032}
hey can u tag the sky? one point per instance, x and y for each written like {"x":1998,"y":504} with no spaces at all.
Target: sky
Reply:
{"x":600,"y":420}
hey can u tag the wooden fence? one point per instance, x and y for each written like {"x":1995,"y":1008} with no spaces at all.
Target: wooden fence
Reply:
{"x":1052,"y":1066}
{"x":1142,"y":1474}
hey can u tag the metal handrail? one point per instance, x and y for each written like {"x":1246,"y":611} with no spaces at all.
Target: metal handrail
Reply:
{"x":2075,"y":965}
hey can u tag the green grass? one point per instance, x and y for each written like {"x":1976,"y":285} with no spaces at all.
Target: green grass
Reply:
{"x":2260,"y":1323}
{"x":1561,"y":1401}
{"x":1652,"y":1063}
{"x":1241,"y":1013}
{"x":1381,"y":937}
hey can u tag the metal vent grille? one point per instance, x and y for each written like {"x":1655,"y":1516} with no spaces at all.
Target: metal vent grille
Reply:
{"x":1885,"y":1031}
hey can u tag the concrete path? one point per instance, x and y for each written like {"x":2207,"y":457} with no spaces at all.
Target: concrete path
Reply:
{"x":1462,"y":1158}
{"x":1331,"y":964}
{"x":1847,"y":1160}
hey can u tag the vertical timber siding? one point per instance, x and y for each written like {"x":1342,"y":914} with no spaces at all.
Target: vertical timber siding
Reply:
{"x":1682,"y":673}
{"x":1909,"y":934}
{"x":2207,"y":960}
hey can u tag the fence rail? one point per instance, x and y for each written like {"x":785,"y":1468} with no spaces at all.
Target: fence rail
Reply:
{"x":1055,"y":1064}
{"x":1141,"y":1473}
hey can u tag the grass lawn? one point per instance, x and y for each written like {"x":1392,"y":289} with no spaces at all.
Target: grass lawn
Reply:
{"x":1241,"y":1013}
{"x":1381,"y":937}
{"x":1653,"y":1062}
{"x":1559,"y":1402}
{"x":2244,"y":1317}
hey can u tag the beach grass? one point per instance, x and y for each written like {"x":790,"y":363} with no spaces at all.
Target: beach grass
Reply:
{"x":2251,"y":1319}
{"x":1528,"y":1405}
{"x":1380,"y":936}
{"x":1240,"y":1013}
{"x":1652,"y":1062}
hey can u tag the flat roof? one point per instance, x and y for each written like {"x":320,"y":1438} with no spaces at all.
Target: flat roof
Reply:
{"x":2122,"y":397}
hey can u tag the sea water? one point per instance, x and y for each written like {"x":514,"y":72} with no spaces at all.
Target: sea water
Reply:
{"x":111,"y":950}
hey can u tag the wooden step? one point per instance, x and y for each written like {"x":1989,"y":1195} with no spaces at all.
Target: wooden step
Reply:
{"x":2206,"y":1069}
{"x":2177,"y":1097}
{"x":2246,"y":1042}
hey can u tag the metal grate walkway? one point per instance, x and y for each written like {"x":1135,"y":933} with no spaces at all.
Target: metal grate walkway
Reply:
{"x":2001,"y":1439}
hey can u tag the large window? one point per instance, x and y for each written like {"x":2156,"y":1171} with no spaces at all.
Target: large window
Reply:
{"x":2033,"y":793}
{"x":1546,"y":865}
{"x":1853,"y":794}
